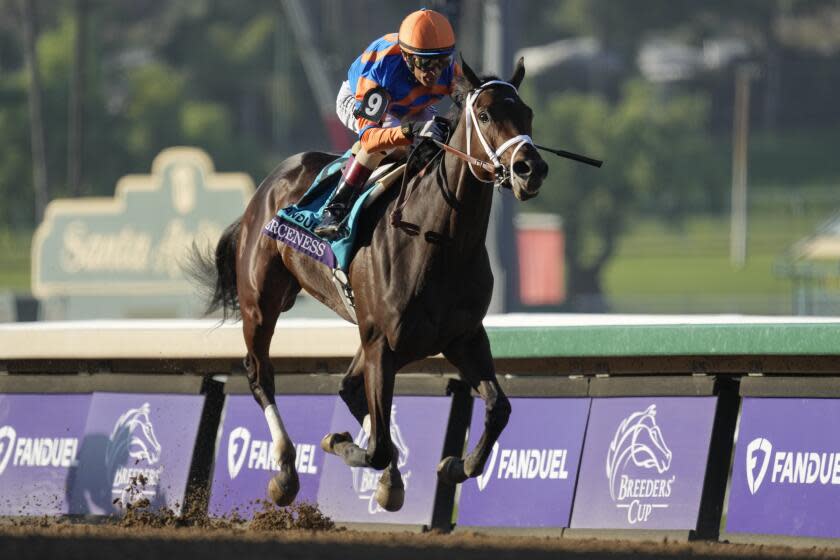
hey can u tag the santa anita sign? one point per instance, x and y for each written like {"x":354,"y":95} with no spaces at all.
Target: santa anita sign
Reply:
{"x":121,"y":256}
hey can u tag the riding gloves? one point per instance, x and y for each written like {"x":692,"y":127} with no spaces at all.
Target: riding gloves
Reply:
{"x":420,"y":130}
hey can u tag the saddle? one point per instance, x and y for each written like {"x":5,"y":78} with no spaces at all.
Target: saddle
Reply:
{"x":294,"y":224}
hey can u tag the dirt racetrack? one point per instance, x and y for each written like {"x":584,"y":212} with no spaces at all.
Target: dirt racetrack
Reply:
{"x":302,"y":531}
{"x":64,"y":540}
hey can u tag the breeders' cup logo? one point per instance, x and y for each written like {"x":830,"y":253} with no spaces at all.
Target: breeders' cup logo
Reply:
{"x":759,"y":447}
{"x":638,"y":444}
{"x":365,"y":479}
{"x":7,"y":443}
{"x":133,"y":437}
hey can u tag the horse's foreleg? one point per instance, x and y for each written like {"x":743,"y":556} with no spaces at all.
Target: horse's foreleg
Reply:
{"x":381,"y":372}
{"x":474,"y":361}
{"x":258,"y":328}
{"x":375,"y":391}
{"x":352,"y":390}
{"x":378,"y":386}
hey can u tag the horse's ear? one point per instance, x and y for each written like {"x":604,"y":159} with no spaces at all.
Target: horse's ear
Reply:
{"x":469,"y":74}
{"x":460,"y":88}
{"x":518,"y":73}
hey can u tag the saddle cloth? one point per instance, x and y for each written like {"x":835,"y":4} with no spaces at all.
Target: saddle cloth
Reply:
{"x":294,"y":224}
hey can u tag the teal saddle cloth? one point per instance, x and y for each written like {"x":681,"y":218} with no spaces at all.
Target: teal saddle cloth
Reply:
{"x":294,"y":225}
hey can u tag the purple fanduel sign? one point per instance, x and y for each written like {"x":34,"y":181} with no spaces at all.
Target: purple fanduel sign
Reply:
{"x":529,"y":479}
{"x":243,"y":456}
{"x":135,"y":446}
{"x":786,"y":472}
{"x":643,"y":463}
{"x":418,"y":427}
{"x":40,"y":438}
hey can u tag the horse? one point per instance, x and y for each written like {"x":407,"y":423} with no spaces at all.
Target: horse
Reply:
{"x":421,"y":288}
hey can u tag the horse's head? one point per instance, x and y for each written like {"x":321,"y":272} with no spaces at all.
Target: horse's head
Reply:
{"x":497,"y":126}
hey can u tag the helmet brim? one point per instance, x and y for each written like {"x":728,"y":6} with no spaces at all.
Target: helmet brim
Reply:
{"x":426,"y":52}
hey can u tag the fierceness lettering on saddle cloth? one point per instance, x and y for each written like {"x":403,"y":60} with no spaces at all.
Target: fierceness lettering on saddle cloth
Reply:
{"x":294,"y":224}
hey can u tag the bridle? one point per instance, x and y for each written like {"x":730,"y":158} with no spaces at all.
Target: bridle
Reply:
{"x":501,"y":174}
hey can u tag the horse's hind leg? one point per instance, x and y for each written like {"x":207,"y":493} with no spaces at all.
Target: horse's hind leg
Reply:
{"x":269,"y":289}
{"x":471,"y":355}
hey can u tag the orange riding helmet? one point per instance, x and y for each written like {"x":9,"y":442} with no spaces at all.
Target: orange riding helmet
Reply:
{"x":426,"y":33}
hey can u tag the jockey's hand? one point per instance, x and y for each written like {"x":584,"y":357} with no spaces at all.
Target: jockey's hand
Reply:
{"x":420,"y":130}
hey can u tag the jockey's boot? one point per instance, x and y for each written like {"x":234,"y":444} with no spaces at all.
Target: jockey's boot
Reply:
{"x":352,"y":182}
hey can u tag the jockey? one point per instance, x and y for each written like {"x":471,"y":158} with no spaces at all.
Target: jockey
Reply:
{"x":388,"y":100}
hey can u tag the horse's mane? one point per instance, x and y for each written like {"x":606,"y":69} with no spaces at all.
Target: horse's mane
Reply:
{"x":460,"y":88}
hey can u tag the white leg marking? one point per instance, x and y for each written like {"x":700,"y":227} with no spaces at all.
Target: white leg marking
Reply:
{"x":366,"y":425}
{"x":279,"y":437}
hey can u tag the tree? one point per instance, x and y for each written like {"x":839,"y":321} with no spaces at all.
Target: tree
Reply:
{"x":39,"y":155}
{"x":648,"y":142}
{"x":75,"y":137}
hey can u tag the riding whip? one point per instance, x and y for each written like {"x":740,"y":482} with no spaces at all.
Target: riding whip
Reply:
{"x":571,"y":155}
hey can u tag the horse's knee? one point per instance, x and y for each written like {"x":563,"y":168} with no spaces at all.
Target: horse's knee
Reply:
{"x":260,"y":381}
{"x":353,"y":394}
{"x":497,"y":405}
{"x":498,"y":413}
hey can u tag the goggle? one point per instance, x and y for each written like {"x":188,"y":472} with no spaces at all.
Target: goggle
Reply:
{"x":429,"y":63}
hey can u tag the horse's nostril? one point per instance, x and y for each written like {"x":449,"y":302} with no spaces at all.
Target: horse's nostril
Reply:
{"x":522,"y":169}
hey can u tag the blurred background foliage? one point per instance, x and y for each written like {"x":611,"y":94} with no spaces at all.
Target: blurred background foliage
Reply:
{"x":650,"y":91}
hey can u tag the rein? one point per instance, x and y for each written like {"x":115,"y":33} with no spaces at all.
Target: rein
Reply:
{"x":501,"y":174}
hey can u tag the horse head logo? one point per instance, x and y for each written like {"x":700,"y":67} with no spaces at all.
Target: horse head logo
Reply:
{"x":639,"y":439}
{"x":133,"y":436}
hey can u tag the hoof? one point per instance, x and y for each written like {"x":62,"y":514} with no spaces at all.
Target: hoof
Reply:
{"x":451,"y":470}
{"x":283,"y":487}
{"x":390,"y":499}
{"x":390,"y":492}
{"x":331,"y":440}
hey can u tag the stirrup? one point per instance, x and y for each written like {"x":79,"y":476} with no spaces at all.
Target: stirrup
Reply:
{"x":330,"y":226}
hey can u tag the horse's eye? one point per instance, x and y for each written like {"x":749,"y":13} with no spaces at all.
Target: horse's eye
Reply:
{"x":484,"y":117}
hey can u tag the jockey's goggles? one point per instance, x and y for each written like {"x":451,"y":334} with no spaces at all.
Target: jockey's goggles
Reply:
{"x":429,"y":63}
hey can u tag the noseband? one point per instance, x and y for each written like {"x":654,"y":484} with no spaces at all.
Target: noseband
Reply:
{"x":501,"y":173}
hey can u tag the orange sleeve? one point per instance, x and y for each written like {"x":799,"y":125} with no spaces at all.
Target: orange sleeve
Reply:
{"x":377,"y":138}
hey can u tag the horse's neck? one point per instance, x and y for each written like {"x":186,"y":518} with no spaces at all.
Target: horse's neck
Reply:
{"x":457,"y":204}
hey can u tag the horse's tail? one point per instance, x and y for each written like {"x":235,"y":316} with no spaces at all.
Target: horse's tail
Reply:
{"x":216,"y":274}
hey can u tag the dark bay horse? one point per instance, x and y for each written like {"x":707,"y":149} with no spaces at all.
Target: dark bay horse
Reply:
{"x":419,"y":291}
